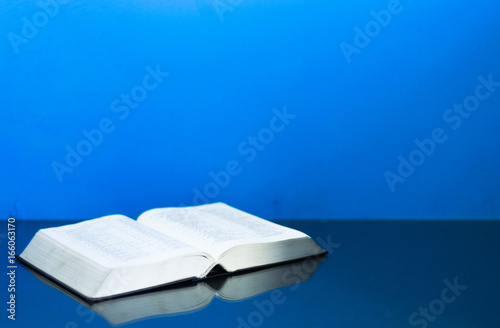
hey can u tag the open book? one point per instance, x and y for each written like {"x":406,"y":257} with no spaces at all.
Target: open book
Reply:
{"x":192,"y":296}
{"x":116,"y":255}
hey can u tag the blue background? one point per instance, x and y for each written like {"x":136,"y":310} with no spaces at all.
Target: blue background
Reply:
{"x":228,"y":69}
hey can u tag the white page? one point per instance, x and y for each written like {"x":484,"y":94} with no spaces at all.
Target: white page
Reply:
{"x":215,"y":228}
{"x":117,"y":240}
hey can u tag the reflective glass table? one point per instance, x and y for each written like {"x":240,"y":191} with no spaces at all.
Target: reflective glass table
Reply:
{"x":377,"y":274}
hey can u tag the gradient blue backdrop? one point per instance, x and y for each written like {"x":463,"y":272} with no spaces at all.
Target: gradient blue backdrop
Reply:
{"x":230,"y":64}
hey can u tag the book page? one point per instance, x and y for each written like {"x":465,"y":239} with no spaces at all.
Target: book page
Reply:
{"x":118,"y":240}
{"x":215,"y":228}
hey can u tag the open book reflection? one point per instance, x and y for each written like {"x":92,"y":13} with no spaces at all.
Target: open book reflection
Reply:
{"x":189,"y":297}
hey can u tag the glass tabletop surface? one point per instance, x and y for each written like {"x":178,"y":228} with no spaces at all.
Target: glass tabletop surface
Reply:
{"x":378,"y":273}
